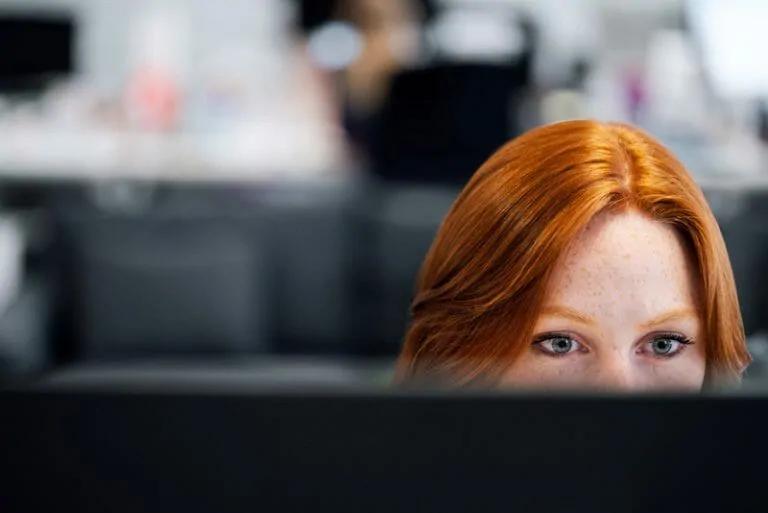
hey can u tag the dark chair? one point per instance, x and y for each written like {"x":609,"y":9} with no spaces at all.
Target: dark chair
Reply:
{"x":160,"y":282}
{"x":308,"y":237}
{"x":402,"y":224}
{"x":746,"y":237}
{"x":441,"y":122}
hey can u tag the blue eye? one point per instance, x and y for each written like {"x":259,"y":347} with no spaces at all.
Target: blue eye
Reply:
{"x":557,"y":345}
{"x":668,"y":345}
{"x":664,"y":346}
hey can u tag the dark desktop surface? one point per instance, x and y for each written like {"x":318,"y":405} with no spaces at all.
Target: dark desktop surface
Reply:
{"x":323,"y":449}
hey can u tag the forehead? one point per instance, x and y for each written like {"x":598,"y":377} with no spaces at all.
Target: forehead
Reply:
{"x":624,"y":260}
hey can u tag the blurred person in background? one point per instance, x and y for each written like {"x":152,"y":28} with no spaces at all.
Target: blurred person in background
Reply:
{"x":390,"y":40}
{"x":580,"y":255}
{"x":362,"y":44}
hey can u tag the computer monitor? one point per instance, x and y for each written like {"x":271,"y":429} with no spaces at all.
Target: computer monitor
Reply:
{"x":36,"y":48}
{"x":229,"y":450}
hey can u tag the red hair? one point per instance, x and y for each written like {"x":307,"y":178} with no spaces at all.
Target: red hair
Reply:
{"x":491,"y":260}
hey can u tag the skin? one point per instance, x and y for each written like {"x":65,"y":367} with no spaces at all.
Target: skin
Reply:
{"x":615,"y":299}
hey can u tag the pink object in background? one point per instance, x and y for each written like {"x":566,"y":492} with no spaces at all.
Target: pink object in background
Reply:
{"x":153,"y":100}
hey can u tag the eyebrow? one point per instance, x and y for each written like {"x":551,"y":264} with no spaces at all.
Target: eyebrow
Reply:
{"x":575,"y":315}
{"x":678,"y":313}
{"x":568,"y":313}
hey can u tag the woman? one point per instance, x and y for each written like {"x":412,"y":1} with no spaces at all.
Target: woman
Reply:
{"x":580,"y":255}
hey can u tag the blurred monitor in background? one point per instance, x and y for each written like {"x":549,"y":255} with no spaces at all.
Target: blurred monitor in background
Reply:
{"x":439,"y":123}
{"x":442,"y":118}
{"x":36,"y":49}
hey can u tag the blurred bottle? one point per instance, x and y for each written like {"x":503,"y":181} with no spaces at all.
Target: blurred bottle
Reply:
{"x":158,"y":51}
{"x":153,"y":98}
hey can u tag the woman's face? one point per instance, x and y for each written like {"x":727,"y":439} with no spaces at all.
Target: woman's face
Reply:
{"x":620,"y":313}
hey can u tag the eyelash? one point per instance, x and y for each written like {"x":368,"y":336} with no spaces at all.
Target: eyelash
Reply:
{"x":537,"y":342}
{"x":683,"y":340}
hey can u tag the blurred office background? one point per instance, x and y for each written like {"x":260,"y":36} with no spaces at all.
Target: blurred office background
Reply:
{"x":244,"y":190}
